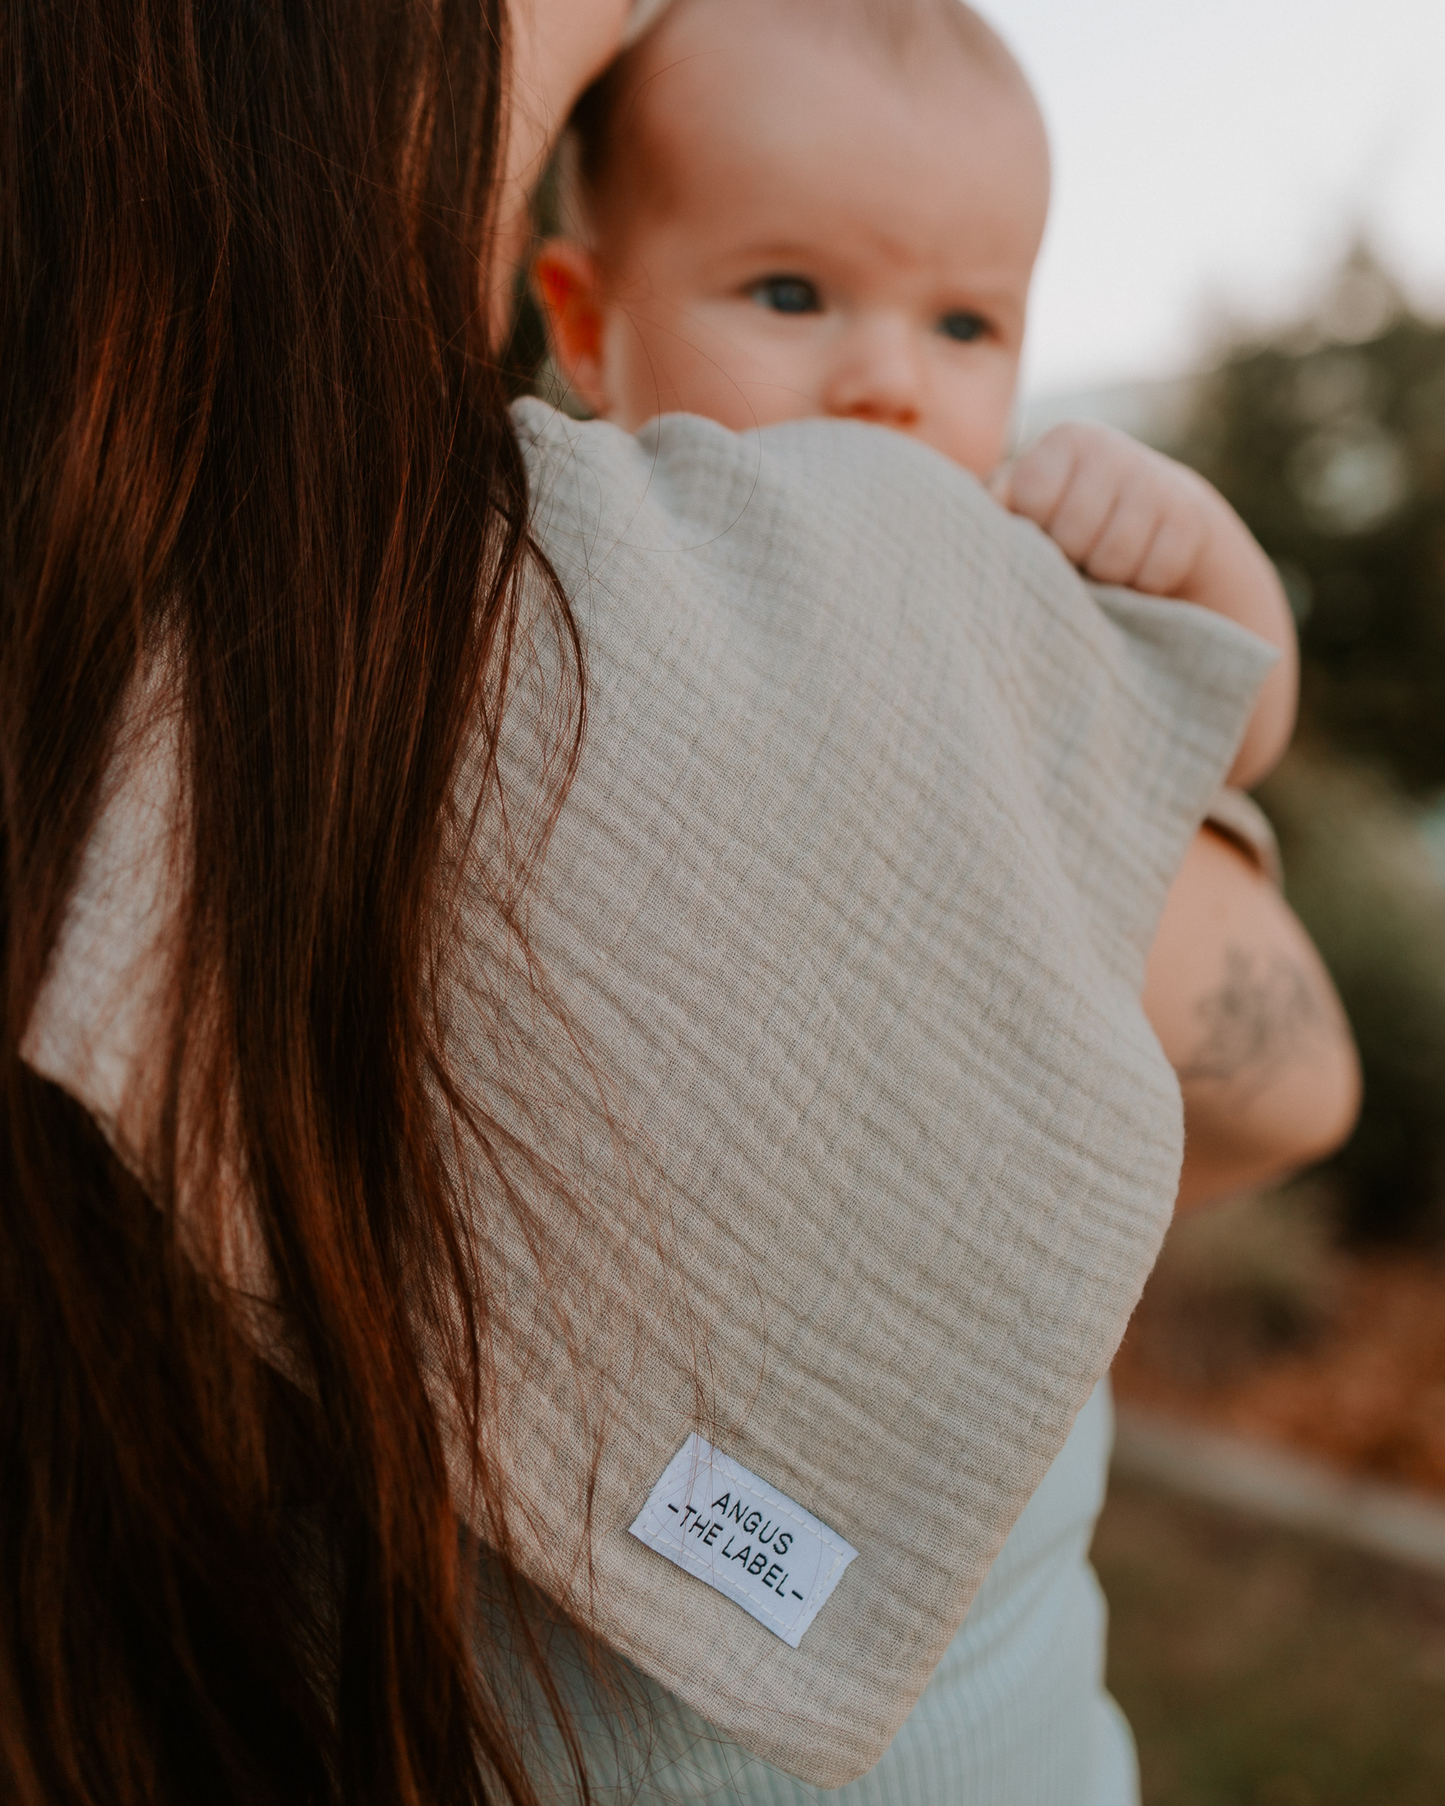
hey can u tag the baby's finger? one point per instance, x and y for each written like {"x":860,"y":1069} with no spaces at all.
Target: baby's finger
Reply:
{"x":1039,"y":477}
{"x":1084,"y":509}
{"x":1118,"y":553}
{"x":1172,"y":553}
{"x":1000,"y":484}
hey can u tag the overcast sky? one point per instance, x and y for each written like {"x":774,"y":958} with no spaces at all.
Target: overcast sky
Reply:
{"x":1213,"y":157}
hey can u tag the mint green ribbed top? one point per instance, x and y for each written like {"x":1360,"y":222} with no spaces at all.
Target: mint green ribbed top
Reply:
{"x":1016,"y":1713}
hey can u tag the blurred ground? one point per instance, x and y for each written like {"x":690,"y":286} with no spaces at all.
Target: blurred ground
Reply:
{"x":1261,"y":1668}
{"x":1256,"y":1321}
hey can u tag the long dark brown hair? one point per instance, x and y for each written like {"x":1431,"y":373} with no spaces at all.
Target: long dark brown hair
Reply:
{"x":251,"y":416}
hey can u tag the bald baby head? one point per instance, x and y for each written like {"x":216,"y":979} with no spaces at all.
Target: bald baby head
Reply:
{"x":901,"y":34}
{"x":783,"y":208}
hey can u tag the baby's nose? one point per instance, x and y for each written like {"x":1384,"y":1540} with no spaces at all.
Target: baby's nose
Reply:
{"x":876,"y":374}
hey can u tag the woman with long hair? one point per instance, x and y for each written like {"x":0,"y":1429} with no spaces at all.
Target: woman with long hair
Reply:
{"x":471,"y":1021}
{"x":259,"y":481}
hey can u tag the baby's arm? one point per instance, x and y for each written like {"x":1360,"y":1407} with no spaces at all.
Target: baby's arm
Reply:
{"x":1125,"y":514}
{"x":1249,"y":1019}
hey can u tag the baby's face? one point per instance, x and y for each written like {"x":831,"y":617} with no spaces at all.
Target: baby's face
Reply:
{"x":795,"y":227}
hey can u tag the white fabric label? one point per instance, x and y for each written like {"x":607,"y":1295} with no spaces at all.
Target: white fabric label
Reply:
{"x":712,"y":1517}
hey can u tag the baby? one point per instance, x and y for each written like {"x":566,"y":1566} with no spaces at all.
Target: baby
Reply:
{"x":790,"y":208}
{"x":782,"y":209}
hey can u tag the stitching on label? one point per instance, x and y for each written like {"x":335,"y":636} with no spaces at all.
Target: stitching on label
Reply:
{"x":841,"y":1552}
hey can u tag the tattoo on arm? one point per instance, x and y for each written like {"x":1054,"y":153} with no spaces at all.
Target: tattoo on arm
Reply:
{"x":1258,"y":1019}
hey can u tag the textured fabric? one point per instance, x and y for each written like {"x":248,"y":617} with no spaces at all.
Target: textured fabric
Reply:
{"x":96,"y":1019}
{"x":832,"y":1038}
{"x":1015,"y":1714}
{"x":849,"y":905}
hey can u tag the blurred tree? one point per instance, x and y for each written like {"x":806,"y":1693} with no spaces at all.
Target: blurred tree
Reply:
{"x":1330,"y":441}
{"x":1360,"y":877}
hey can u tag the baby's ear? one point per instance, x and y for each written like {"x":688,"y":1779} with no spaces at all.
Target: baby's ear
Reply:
{"x":567,"y":283}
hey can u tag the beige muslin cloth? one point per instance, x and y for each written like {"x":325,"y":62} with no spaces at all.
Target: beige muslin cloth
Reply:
{"x":840,"y":933}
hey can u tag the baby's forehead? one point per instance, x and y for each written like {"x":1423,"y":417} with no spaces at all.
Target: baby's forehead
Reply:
{"x":644,"y":114}
{"x":893,"y":30}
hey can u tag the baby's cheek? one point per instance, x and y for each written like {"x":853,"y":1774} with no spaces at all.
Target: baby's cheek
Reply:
{"x":753,"y":368}
{"x":718,"y":363}
{"x":978,"y":439}
{"x":969,"y":417}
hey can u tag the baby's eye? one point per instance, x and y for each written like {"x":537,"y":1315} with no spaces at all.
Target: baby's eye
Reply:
{"x":787,"y":295}
{"x":964,"y":326}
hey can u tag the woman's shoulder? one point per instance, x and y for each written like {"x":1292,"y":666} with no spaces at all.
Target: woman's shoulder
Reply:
{"x":803,"y":566}
{"x":853,"y":519}
{"x":782,"y":499}
{"x":687,"y":454}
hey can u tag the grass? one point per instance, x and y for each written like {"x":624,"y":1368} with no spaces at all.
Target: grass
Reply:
{"x":1263,"y":1668}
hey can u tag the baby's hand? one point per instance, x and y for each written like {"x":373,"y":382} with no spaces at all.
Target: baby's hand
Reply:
{"x":1122,"y":513}
{"x":1125,"y":514}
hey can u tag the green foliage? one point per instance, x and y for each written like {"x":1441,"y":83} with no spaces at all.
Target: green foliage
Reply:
{"x":1360,"y":879}
{"x":1330,"y":441}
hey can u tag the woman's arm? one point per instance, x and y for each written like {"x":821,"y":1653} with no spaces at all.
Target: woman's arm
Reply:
{"x":1249,"y":1019}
